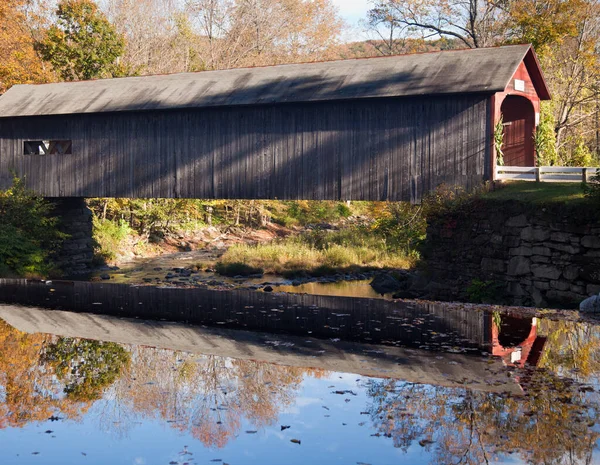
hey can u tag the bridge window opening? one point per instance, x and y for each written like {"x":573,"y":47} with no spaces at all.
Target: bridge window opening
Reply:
{"x":48,"y":147}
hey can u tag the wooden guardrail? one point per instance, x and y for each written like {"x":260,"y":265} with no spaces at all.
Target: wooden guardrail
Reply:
{"x":546,"y":173}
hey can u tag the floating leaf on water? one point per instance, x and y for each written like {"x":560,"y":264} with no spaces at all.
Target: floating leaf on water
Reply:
{"x":251,"y":432}
{"x":284,"y":427}
{"x":295,"y":441}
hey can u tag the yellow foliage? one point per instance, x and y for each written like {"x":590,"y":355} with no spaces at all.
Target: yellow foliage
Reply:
{"x":19,"y":63}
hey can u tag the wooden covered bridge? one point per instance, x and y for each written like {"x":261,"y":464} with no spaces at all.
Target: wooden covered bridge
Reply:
{"x":389,"y":128}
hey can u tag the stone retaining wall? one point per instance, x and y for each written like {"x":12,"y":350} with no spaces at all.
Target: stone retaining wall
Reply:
{"x":534,"y":256}
{"x":78,"y":250}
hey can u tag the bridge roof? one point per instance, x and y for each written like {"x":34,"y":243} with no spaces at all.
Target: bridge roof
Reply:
{"x":484,"y":70}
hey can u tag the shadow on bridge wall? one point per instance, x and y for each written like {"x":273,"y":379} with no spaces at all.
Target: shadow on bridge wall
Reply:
{"x":369,"y":149}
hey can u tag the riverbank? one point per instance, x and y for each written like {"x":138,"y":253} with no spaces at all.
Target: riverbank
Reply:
{"x":527,"y":244}
{"x":522,"y":244}
{"x":366,"y":237}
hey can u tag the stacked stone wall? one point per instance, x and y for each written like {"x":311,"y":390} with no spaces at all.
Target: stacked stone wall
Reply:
{"x":77,"y":252}
{"x":537,"y":256}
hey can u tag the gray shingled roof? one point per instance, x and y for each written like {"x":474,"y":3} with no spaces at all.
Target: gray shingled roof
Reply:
{"x":486,"y":70}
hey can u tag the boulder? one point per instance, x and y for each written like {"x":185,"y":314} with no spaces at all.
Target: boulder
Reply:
{"x":384,"y":283}
{"x":590,"y":305}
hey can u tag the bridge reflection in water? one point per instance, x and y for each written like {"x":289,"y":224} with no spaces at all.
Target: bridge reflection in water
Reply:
{"x":433,"y":389}
{"x":446,"y":333}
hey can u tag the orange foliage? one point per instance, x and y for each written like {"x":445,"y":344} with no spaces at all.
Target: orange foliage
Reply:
{"x":30,"y":394}
{"x":19,"y":63}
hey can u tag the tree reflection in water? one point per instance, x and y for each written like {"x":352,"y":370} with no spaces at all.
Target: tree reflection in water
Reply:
{"x":211,"y":397}
{"x":553,"y":422}
{"x":207,"y":396}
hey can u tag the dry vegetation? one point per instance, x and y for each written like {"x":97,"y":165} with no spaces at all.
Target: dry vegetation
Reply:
{"x":350,"y":250}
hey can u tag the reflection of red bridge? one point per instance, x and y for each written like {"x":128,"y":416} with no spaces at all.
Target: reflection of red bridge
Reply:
{"x":516,"y":342}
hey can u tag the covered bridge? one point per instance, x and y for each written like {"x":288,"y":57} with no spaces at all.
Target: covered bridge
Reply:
{"x":388,"y":128}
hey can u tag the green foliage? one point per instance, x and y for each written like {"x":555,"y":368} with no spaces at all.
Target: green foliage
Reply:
{"x":82,"y":44}
{"x":545,"y":137}
{"x":592,"y":189}
{"x":497,"y":320}
{"x":87,"y":367}
{"x":401,"y":226}
{"x":499,"y":141}
{"x":582,"y":156}
{"x":29,"y":234}
{"x":486,"y":292}
{"x":109,"y":236}
{"x":309,"y":212}
{"x":152,"y":216}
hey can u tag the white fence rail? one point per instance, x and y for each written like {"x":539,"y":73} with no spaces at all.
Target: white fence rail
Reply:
{"x":546,"y":173}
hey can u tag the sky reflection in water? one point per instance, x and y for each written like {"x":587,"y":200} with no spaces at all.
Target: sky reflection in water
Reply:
{"x":71,"y":401}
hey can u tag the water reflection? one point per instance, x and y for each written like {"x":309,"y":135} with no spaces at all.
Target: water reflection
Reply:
{"x":552,"y":423}
{"x":92,"y":395}
{"x":420,"y":324}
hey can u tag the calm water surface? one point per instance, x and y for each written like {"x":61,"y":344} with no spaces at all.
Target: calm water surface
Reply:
{"x":70,"y":400}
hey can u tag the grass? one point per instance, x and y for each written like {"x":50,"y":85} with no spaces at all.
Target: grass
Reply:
{"x":318,"y":253}
{"x":237,"y":269}
{"x":539,"y":193}
{"x":110,"y":236}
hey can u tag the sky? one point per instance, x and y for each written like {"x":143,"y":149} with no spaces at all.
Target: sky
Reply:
{"x":352,"y":10}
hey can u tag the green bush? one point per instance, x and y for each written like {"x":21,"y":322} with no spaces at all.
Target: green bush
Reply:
{"x":486,"y":292}
{"x":29,"y":234}
{"x":306,"y":212}
{"x":592,"y":189}
{"x":109,"y":236}
{"x":545,"y":137}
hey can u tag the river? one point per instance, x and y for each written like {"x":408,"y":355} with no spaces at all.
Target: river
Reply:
{"x":84,"y":378}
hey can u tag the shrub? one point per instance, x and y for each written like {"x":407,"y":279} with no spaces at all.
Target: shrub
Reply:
{"x":486,"y":292}
{"x":109,"y":236}
{"x":236,"y":269}
{"x":592,"y":189}
{"x":29,"y":234}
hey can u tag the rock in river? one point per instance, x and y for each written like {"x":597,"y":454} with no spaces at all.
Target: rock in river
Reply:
{"x":590,"y":305}
{"x":384,"y":283}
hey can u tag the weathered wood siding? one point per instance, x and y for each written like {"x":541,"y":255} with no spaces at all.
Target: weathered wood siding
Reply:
{"x":383,"y":149}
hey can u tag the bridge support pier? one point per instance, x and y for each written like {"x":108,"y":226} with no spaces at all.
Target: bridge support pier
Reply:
{"x":77,"y":251}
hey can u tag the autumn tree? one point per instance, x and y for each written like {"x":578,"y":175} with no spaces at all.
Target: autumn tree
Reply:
{"x":82,"y":44}
{"x":474,"y":23}
{"x":159,"y":35}
{"x":195,"y":35}
{"x":566,"y":36}
{"x":19,"y":62}
{"x":30,"y":391}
